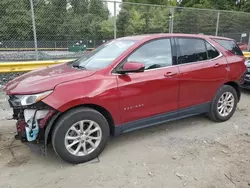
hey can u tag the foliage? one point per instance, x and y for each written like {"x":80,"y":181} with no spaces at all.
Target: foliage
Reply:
{"x":90,"y":19}
{"x":186,"y":20}
{"x":15,"y":20}
{"x":55,"y":20}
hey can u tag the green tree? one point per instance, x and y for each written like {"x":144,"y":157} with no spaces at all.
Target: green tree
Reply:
{"x":123,"y":19}
{"x":50,"y":17}
{"x":15,"y":20}
{"x":70,"y":20}
{"x":99,"y":9}
{"x":107,"y":28}
{"x":245,"y":6}
{"x":79,"y":6}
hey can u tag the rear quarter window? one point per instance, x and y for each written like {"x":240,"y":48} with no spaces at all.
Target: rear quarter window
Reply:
{"x":230,"y":45}
{"x":211,"y":51}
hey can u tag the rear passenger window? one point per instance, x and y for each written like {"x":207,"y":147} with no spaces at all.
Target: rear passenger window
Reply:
{"x":230,"y":45}
{"x":211,"y":51}
{"x":191,"y":50}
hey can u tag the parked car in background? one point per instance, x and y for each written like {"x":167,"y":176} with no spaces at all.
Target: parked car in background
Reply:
{"x":244,"y":47}
{"x":77,"y":47}
{"x":246,"y":83}
{"x":126,"y":84}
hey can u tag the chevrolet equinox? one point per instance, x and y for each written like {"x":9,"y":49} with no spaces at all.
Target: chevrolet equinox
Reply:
{"x":123,"y":85}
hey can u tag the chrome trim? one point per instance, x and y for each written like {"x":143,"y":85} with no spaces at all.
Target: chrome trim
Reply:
{"x":208,"y":60}
{"x":205,"y":61}
{"x":146,"y":70}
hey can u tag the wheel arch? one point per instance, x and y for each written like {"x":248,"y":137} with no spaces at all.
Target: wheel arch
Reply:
{"x":236,"y":86}
{"x":51,"y":124}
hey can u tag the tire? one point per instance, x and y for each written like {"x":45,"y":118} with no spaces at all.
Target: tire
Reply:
{"x":69,"y":124}
{"x":215,"y":113}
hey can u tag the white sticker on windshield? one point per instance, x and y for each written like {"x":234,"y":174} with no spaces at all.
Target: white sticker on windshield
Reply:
{"x":123,"y":44}
{"x":120,"y":44}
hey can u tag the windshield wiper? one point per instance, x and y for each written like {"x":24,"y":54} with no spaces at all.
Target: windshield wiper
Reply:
{"x":78,"y":66}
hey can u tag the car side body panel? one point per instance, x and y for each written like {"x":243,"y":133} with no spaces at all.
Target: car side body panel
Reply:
{"x":199,"y":81}
{"x":148,"y":93}
{"x":97,"y":90}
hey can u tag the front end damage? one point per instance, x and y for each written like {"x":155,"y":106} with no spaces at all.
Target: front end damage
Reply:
{"x":31,"y":121}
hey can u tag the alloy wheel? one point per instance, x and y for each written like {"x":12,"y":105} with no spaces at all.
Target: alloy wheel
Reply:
{"x":83,"y":137}
{"x":225,"y":104}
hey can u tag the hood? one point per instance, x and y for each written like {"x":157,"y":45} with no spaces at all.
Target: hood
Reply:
{"x":44,"y":79}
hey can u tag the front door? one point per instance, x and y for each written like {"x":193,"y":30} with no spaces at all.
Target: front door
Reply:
{"x":154,"y":91}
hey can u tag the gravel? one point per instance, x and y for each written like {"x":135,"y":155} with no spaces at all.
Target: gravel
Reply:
{"x":193,"y":152}
{"x":6,"y":77}
{"x":141,"y":159}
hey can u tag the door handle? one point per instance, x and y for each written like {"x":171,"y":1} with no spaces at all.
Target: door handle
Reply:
{"x":170,"y":74}
{"x":217,"y":65}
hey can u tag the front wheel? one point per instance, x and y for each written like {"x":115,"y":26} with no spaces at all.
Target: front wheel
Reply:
{"x":80,"y":135}
{"x":224,"y":104}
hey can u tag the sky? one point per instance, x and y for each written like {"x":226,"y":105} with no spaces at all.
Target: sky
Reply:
{"x":111,"y":7}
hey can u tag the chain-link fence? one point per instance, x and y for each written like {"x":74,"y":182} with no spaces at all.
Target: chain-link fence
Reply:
{"x":41,"y":28}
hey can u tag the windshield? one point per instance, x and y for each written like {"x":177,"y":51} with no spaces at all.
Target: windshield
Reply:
{"x":104,"y":55}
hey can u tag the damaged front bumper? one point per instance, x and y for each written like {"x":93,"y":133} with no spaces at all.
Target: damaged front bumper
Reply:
{"x":32,"y":121}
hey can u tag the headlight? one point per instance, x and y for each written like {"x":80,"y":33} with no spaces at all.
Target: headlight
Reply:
{"x":24,"y":100}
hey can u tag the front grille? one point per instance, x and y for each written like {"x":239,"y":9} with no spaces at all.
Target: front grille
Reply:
{"x":18,"y":114}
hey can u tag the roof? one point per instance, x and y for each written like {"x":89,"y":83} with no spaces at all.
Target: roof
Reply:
{"x":159,"y":35}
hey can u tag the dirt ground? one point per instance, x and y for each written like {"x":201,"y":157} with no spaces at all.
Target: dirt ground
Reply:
{"x":193,"y":152}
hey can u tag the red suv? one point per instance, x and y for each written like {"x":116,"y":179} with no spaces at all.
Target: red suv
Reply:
{"x":126,"y":84}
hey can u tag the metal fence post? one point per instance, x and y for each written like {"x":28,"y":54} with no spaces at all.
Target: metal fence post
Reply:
{"x":114,"y":19}
{"x":34,"y":26}
{"x":249,"y":40}
{"x":217,"y":24}
{"x":169,"y":25}
{"x":172,"y":20}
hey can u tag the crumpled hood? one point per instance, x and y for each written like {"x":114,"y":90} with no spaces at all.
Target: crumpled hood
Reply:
{"x":44,"y":79}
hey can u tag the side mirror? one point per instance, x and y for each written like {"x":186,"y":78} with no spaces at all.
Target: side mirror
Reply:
{"x":131,"y":67}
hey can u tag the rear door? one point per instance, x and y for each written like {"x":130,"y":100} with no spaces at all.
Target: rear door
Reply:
{"x":202,"y":71}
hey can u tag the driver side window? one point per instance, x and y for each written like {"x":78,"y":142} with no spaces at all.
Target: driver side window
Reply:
{"x":154,"y":54}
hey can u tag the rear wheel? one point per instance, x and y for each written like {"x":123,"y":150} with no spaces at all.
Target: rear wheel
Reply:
{"x":80,"y":135}
{"x":224,"y":104}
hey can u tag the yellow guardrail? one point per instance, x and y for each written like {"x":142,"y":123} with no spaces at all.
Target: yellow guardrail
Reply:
{"x":23,"y":66}
{"x":33,"y":49}
{"x":246,"y":54}
{"x":39,"y":49}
